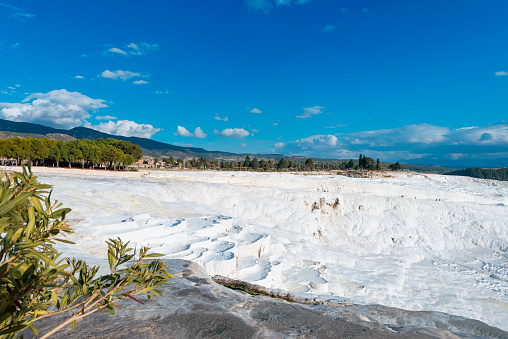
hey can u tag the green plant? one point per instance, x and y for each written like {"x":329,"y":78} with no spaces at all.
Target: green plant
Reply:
{"x":36,"y":283}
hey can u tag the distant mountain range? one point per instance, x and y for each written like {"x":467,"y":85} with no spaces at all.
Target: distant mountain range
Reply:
{"x":9,"y":129}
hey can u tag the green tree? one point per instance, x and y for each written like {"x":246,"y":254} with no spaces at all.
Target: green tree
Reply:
{"x":309,"y":164}
{"x":74,"y":153}
{"x":395,"y":167}
{"x":255,"y":164}
{"x":38,"y":149}
{"x":55,"y":154}
{"x":119,"y":157}
{"x":35,"y":283}
{"x":369,"y":163}
{"x":282,"y":164}
{"x":128,"y":160}
{"x":108,"y":154}
{"x":263,"y":164}
{"x":246,"y":163}
{"x":378,"y":165}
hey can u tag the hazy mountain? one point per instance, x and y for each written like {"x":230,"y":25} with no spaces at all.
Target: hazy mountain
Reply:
{"x":150,"y":147}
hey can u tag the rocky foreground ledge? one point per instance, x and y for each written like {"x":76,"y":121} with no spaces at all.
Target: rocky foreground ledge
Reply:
{"x":194,"y":306}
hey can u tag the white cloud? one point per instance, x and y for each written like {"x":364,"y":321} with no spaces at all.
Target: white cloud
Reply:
{"x":78,"y":77}
{"x":117,"y":51}
{"x":142,"y":48}
{"x":408,"y":142}
{"x":336,"y":126}
{"x":17,"y":12}
{"x":255,"y":131}
{"x":119,"y":74}
{"x":17,"y":85}
{"x":409,"y":134}
{"x":140,"y":82}
{"x":265,"y":5}
{"x":125,"y":128}
{"x":232,"y":132}
{"x":328,"y":28}
{"x":278,"y":144}
{"x":58,"y":108}
{"x":310,"y":111}
{"x":317,"y":141}
{"x":162,"y":92}
{"x":198,"y":133}
{"x":105,"y":117}
{"x":183,"y":132}
{"x":131,"y":49}
{"x":243,"y":145}
{"x":502,"y":73}
{"x":255,"y":110}
{"x":217,"y":117}
{"x":10,"y":87}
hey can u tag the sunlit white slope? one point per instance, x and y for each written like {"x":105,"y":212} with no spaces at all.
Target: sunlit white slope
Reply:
{"x":420,"y":242}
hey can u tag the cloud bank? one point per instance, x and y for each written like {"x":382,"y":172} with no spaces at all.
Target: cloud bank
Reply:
{"x":125,"y":128}
{"x":58,"y":108}
{"x":418,"y":141}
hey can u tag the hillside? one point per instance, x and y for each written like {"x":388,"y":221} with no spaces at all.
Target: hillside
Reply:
{"x":9,"y":129}
{"x":483,"y":173}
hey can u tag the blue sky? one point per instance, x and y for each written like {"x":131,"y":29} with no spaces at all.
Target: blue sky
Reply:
{"x":399,"y":80}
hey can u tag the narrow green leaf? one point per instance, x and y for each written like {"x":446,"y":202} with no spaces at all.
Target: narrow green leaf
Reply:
{"x":37,"y":204}
{"x":31,"y":222}
{"x":65,"y":241}
{"x":34,"y":330}
{"x":7,"y":207}
{"x":17,"y":234}
{"x":14,"y":329}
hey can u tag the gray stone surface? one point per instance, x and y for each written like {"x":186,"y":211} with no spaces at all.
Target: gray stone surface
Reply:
{"x":194,"y":306}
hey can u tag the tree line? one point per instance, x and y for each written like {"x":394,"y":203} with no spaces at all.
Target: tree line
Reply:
{"x":364,"y":163}
{"x":101,"y":153}
{"x":483,"y":173}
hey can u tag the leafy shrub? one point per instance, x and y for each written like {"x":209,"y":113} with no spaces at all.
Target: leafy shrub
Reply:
{"x":36,"y":283}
